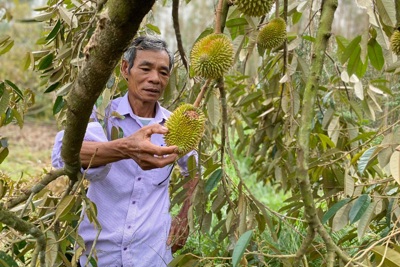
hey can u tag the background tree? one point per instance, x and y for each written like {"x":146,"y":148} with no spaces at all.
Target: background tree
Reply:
{"x":315,"y":118}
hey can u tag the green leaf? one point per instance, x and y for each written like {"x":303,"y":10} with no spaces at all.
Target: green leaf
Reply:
{"x":54,"y":31}
{"x":154,"y":28}
{"x":250,"y":98}
{"x":3,"y":153}
{"x":6,"y":260}
{"x":213,"y":180}
{"x":4,"y":38}
{"x":7,"y":46}
{"x":332,"y":211}
{"x":236,"y":27}
{"x":180,"y":260}
{"x":4,"y":100}
{"x":375,"y":54}
{"x":308,"y":38}
{"x":65,"y":206}
{"x":51,"y":248}
{"x":365,"y":158}
{"x":349,"y":51}
{"x":46,"y":62}
{"x":236,"y":22}
{"x":365,"y":221}
{"x":52,"y":87}
{"x":58,"y":105}
{"x":391,"y":258}
{"x":15,"y":88}
{"x":27,"y":61}
{"x":394,"y":165}
{"x":387,"y":12}
{"x":355,"y":64}
{"x":326,"y":141}
{"x":213,"y":110}
{"x":240,"y":247}
{"x":359,"y":207}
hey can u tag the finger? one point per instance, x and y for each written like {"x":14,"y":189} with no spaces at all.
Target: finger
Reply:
{"x":148,"y":162}
{"x":162,"y":151}
{"x":154,"y":129}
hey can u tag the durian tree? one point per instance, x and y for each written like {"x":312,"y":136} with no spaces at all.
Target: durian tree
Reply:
{"x":286,"y":100}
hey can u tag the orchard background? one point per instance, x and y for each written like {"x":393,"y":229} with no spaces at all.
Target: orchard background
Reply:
{"x":299,"y":161}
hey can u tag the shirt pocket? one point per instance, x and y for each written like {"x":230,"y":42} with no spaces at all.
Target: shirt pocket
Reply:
{"x":160,"y":177}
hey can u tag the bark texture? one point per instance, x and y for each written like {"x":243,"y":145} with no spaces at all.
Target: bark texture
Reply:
{"x":328,"y":9}
{"x":115,"y":29}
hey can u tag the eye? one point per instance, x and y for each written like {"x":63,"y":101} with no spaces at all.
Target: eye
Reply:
{"x":164,"y":73}
{"x":145,"y":69}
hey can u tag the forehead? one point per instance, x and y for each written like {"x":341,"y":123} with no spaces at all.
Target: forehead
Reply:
{"x":153,"y":56}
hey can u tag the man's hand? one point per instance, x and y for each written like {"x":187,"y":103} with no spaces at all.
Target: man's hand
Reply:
{"x":146,"y":154}
{"x":179,"y":233}
{"x":137,"y":146}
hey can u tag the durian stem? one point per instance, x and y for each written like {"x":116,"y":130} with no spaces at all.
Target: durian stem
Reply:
{"x":201,"y":94}
{"x":277,"y":9}
{"x":218,"y":15}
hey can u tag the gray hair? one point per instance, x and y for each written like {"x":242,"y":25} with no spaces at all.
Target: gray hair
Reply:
{"x":146,"y":43}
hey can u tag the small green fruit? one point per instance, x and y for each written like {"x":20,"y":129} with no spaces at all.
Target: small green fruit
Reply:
{"x":212,"y":56}
{"x":185,"y":128}
{"x":273,"y":34}
{"x":395,"y":42}
{"x":255,"y":8}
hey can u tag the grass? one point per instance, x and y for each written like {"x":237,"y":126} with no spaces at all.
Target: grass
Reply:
{"x":29,"y":149}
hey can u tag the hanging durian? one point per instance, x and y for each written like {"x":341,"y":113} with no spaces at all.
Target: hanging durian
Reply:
{"x":212,"y":56}
{"x":185,"y":128}
{"x":254,"y":8}
{"x":395,"y":42}
{"x":273,"y":34}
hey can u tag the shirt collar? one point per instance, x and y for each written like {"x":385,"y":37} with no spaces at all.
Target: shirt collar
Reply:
{"x":124,"y":108}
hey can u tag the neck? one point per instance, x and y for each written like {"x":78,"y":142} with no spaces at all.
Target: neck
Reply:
{"x":143,"y":109}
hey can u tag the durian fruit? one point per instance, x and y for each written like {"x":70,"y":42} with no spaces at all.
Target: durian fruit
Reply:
{"x":273,"y":34}
{"x":395,"y":42}
{"x":254,"y":8}
{"x":185,"y":128}
{"x":212,"y":56}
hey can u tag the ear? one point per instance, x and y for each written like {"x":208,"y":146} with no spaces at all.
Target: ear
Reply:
{"x":125,"y":69}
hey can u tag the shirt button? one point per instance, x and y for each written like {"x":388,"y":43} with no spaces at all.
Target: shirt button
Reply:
{"x":139,"y":179}
{"x":129,"y":227}
{"x":133,"y":202}
{"x":125,"y":248}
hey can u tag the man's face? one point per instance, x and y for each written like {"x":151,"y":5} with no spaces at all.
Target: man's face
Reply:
{"x":148,"y":76}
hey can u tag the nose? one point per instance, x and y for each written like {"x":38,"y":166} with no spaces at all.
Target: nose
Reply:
{"x":154,"y":76}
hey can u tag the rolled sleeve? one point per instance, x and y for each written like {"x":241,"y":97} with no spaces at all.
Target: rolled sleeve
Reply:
{"x":94,"y":133}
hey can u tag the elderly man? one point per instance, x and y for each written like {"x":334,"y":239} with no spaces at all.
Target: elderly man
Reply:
{"x":129,"y":176}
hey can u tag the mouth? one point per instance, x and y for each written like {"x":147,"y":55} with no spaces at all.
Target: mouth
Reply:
{"x":152,"y":90}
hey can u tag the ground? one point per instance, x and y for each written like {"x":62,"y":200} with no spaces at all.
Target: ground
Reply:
{"x":29,"y":149}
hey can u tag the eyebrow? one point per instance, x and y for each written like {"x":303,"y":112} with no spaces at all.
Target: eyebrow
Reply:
{"x":150,"y":64}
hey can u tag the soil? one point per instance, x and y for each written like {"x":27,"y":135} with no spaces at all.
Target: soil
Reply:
{"x":38,"y":135}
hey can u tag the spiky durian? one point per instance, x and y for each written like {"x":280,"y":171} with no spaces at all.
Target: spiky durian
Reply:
{"x":273,"y":34}
{"x":395,"y":42}
{"x":212,"y":56}
{"x":254,"y":8}
{"x":185,"y":128}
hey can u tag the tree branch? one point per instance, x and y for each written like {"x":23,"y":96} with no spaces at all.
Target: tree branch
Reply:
{"x":13,"y":221}
{"x":328,"y":9}
{"x":49,"y":177}
{"x":115,"y":30}
{"x":175,"y":20}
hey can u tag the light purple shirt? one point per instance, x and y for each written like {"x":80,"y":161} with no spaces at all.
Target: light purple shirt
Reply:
{"x":132,"y":204}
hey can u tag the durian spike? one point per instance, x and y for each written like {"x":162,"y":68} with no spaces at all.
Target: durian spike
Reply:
{"x":201,"y":94}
